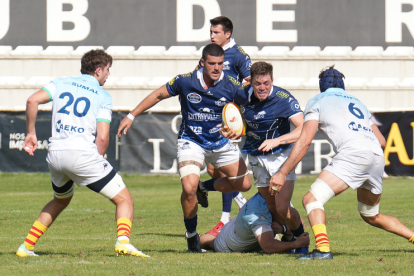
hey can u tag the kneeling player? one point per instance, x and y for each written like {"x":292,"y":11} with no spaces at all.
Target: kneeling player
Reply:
{"x":81,"y":109}
{"x":252,"y":231}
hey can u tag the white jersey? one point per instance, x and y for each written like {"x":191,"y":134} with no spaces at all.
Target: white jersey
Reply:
{"x":344,"y":120}
{"x":79,"y":103}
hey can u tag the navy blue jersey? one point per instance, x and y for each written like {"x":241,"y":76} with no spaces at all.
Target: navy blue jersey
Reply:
{"x":266,"y":119}
{"x":236,"y":62}
{"x":201,"y":109}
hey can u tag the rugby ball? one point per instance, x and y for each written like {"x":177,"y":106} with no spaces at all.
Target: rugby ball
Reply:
{"x":233,"y":118}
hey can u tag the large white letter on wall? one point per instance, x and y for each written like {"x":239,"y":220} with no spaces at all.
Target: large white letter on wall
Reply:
{"x":394,"y":18}
{"x":185,"y":31}
{"x":56,"y":16}
{"x":4,"y":17}
{"x":265,"y":16}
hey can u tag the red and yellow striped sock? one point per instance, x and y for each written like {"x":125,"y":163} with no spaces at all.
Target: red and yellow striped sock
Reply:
{"x":35,"y":233}
{"x":321,"y":238}
{"x":411,"y":239}
{"x":124,"y":228}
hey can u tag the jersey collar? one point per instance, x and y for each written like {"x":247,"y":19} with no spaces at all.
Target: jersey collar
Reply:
{"x":334,"y":90}
{"x":90,"y":77}
{"x":201,"y":79}
{"x":251,"y":93}
{"x":230,"y":44}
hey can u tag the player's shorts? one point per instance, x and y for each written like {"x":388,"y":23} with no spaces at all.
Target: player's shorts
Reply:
{"x":265,"y":166}
{"x":355,"y":168}
{"x":226,"y":155}
{"x":85,"y":168}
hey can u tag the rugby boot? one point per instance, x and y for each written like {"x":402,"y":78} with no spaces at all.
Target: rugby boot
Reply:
{"x":24,"y":252}
{"x":302,"y":250}
{"x":193,"y":243}
{"x":216,"y":230}
{"x":316,"y":254}
{"x":202,"y":196}
{"x":128,"y":249}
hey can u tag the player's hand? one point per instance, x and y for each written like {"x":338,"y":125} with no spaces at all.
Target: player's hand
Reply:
{"x":276,"y":183}
{"x":30,"y":144}
{"x":303,"y":240}
{"x":227,"y":132}
{"x":125,"y":124}
{"x":269,"y":144}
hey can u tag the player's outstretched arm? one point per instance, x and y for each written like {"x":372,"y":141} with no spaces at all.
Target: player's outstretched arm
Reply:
{"x":298,"y":152}
{"x":102,"y":137}
{"x":288,"y":138}
{"x":151,"y":100}
{"x":32,"y":107}
{"x":269,"y":245}
{"x":379,"y":135}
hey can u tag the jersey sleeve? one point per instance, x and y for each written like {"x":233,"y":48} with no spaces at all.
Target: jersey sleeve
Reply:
{"x":243,"y":64}
{"x":105,"y":110}
{"x":259,"y":224}
{"x":173,"y":86}
{"x":260,"y":229}
{"x":50,"y":88}
{"x":240,"y":95}
{"x":288,"y":106}
{"x":312,"y":110}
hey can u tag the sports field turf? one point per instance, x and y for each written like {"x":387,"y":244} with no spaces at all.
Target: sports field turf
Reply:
{"x":81,"y":241}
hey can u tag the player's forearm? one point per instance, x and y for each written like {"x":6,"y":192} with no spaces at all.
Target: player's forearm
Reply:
{"x":151,"y":100}
{"x":102,"y":145}
{"x":290,"y":137}
{"x":31,"y":114}
{"x":276,"y":246}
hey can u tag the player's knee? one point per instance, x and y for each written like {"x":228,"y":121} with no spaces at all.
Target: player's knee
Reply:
{"x":189,"y":188}
{"x":320,"y":191}
{"x":368,"y":213}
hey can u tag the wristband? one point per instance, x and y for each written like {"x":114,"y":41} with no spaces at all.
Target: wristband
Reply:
{"x":284,"y":229}
{"x":131,"y":117}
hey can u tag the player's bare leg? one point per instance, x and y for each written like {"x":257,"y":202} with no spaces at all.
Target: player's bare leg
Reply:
{"x":386,"y":222}
{"x":189,"y":204}
{"x":207,"y":241}
{"x":47,"y":216}
{"x":238,"y":178}
{"x":124,"y":205}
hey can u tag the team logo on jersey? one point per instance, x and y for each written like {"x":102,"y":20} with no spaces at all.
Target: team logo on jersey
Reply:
{"x":226,"y":65}
{"x":60,"y":127}
{"x":295,"y":106}
{"x":171,"y":82}
{"x":206,"y":110}
{"x":254,"y":135}
{"x":282,"y":94}
{"x":241,"y":50}
{"x":215,"y":129}
{"x":186,"y":75}
{"x":233,"y":80}
{"x":260,"y":115}
{"x":357,"y":127}
{"x":252,"y":125}
{"x":199,"y":117}
{"x":197,"y":129}
{"x":194,"y":98}
{"x":221,"y":102}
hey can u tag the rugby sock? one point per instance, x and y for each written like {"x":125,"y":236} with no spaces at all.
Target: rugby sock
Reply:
{"x":227,"y":199}
{"x":34,"y":235}
{"x":191,"y":224}
{"x":209,"y":184}
{"x":124,"y":229}
{"x":298,"y":231}
{"x":411,"y":239}
{"x":321,"y":239}
{"x":225,"y":217}
{"x":239,"y":198}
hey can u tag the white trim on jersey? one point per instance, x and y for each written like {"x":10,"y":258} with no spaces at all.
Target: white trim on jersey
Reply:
{"x":260,"y":229}
{"x":229,"y":45}
{"x":201,"y":79}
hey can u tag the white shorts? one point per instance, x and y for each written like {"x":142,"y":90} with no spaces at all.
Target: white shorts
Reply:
{"x":355,"y":168}
{"x":187,"y":150}
{"x":265,"y":166}
{"x":83,"y":168}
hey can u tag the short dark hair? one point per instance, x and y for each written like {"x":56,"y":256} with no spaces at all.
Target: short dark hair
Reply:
{"x":261,"y":68}
{"x":223,"y":21}
{"x":213,"y":50}
{"x":94,"y":59}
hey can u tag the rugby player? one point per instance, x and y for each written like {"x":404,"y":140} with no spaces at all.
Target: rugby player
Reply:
{"x":237,"y":64}
{"x":199,"y":137}
{"x":252,"y":231}
{"x":268,"y":111}
{"x":81,"y":110}
{"x":358,"y":163}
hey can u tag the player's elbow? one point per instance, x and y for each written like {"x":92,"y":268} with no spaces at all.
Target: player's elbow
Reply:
{"x":32,"y":101}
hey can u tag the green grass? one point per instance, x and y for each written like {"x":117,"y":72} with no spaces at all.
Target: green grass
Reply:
{"x":81,"y":241}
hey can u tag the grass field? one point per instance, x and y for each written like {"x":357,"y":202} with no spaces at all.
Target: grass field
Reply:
{"x":81,"y":241}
